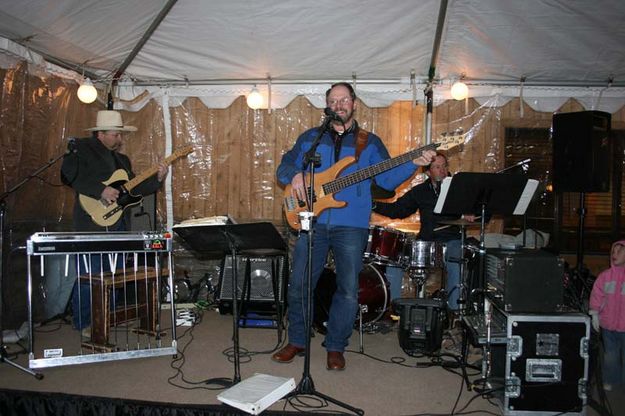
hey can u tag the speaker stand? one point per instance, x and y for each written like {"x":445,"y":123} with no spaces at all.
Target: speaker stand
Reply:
{"x":580,"y":233}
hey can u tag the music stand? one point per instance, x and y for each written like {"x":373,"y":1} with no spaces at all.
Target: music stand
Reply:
{"x":258,"y":239}
{"x":485,"y":194}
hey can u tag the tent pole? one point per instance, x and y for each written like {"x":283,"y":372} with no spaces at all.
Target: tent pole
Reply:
{"x":131,"y":56}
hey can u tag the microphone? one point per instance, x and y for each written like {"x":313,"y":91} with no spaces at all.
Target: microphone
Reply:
{"x":331,"y":114}
{"x":141,"y":210}
{"x":71,"y":146}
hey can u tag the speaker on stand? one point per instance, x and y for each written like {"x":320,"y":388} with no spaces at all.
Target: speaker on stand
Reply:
{"x":581,"y":163}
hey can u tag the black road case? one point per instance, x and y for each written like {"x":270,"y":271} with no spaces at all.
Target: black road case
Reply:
{"x":546,"y":370}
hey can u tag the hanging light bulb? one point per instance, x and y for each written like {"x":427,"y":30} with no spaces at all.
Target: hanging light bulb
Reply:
{"x":254,"y":99}
{"x":459,"y":91}
{"x":87,"y":92}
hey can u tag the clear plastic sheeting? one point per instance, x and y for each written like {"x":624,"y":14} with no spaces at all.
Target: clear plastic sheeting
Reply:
{"x":237,"y":150}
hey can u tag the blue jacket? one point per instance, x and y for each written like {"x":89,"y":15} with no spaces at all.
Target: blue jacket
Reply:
{"x":357,"y":196}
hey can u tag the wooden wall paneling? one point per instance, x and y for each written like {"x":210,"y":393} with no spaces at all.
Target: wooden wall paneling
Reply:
{"x":190,"y":181}
{"x":255,"y":153}
{"x":219,"y":168}
{"x":269,"y":164}
{"x":394,"y":137}
{"x":235,"y":167}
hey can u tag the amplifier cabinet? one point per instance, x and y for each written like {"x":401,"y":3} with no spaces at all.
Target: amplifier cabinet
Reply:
{"x":546,"y":370}
{"x":524,"y":280}
{"x":261,"y":283}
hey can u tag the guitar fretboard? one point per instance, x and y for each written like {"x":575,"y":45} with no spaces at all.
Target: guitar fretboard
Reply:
{"x":362,"y":174}
{"x":149,"y":172}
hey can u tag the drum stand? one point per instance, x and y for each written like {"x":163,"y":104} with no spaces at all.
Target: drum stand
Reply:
{"x":461,"y":283}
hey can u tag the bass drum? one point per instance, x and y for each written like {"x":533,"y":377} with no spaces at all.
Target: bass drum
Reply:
{"x":373,"y":295}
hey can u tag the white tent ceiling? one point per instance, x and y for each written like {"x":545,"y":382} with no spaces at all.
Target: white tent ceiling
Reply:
{"x":217,"y":49}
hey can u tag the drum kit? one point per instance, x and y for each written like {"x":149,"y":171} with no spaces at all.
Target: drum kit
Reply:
{"x":421,"y":261}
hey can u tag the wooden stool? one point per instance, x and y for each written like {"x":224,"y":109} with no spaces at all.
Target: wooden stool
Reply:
{"x":143,"y":306}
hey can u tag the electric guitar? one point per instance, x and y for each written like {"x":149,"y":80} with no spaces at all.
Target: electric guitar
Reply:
{"x":328,"y":182}
{"x":105,"y":214}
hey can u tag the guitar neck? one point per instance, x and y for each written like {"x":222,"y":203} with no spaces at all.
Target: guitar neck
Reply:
{"x":137,"y":180}
{"x":360,"y":175}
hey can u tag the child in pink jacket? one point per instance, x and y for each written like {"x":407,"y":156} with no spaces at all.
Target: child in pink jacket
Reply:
{"x":607,"y":303}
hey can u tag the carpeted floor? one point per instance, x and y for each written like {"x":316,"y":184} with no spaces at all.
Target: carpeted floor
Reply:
{"x":381,"y":380}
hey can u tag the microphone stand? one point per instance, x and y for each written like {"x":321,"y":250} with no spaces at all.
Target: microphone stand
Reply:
{"x":3,"y":266}
{"x":306,"y":386}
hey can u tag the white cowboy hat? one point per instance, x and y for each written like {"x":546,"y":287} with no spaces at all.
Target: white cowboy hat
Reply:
{"x":110,"y":120}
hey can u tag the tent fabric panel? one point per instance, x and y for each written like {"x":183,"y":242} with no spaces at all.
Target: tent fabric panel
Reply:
{"x":289,"y":40}
{"x":542,"y":40}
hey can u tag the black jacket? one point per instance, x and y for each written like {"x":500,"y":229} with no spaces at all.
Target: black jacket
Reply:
{"x":86,"y":168}
{"x":421,"y":198}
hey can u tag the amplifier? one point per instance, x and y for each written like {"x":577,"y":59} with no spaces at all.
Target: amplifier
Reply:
{"x":261,"y":283}
{"x":96,"y":242}
{"x":524,"y":280}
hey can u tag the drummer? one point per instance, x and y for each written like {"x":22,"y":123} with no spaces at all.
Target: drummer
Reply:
{"x":423,"y":198}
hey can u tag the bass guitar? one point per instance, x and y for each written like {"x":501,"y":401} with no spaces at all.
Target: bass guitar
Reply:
{"x":328,"y":182}
{"x":105,"y":214}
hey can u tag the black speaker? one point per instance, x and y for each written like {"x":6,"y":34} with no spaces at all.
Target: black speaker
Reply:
{"x":261,"y":285}
{"x":581,"y":152}
{"x":143,"y":215}
{"x":421,"y":323}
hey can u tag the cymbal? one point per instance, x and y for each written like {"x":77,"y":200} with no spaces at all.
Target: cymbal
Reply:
{"x":461,"y":222}
{"x":378,"y":192}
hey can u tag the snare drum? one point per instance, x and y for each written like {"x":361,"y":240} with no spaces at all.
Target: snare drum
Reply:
{"x":385,"y":245}
{"x":419,"y":254}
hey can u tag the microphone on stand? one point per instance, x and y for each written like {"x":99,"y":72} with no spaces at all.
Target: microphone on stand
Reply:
{"x":332,"y":115}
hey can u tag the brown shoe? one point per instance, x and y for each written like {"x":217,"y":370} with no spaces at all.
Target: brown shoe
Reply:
{"x":286,"y":354}
{"x":336,"y":361}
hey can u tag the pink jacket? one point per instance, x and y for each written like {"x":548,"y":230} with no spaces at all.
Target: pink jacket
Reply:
{"x":608,"y":296}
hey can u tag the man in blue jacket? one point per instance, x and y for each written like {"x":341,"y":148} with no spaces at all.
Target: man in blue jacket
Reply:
{"x":343,"y":230}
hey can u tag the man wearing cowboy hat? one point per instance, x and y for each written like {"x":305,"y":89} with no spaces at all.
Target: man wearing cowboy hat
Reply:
{"x":88,"y":163}
{"x":93,"y":160}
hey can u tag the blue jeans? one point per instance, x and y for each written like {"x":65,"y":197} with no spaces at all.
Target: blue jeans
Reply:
{"x":613,"y":357}
{"x":452,"y":284}
{"x":348,"y":245}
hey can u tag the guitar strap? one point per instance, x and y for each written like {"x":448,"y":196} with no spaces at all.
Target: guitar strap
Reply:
{"x":361,"y":141}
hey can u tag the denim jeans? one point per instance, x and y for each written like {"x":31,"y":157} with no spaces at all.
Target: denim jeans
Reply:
{"x":347,"y":244}
{"x":613,"y":357}
{"x":452,"y":284}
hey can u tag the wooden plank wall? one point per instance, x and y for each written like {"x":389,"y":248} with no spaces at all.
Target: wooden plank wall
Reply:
{"x":237,"y":150}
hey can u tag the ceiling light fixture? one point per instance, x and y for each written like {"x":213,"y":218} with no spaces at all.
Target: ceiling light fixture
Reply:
{"x":87,"y":92}
{"x":254,"y":99}
{"x":459,"y":91}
